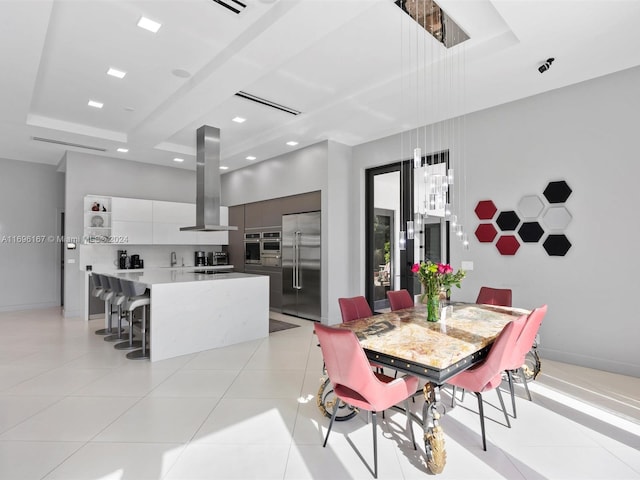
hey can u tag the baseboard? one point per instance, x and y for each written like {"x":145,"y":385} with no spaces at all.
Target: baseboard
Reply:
{"x":28,"y":306}
{"x":603,"y":364}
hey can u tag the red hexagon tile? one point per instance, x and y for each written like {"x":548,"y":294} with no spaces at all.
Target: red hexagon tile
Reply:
{"x":485,"y":210}
{"x":486,"y":232}
{"x":507,"y":245}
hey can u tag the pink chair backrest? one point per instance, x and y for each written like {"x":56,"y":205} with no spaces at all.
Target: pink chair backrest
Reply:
{"x":494,"y":296}
{"x":399,"y":299}
{"x":527,"y":337}
{"x":354,"y":308}
{"x":345,"y":361}
{"x":488,"y":373}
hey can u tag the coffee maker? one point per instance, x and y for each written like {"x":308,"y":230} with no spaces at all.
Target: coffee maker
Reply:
{"x":200,"y":259}
{"x":123,"y":260}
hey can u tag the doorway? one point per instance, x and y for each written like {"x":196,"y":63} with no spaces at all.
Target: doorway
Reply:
{"x":388,"y":205}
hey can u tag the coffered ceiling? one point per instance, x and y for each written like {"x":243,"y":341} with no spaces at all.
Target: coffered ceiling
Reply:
{"x":357,"y":70}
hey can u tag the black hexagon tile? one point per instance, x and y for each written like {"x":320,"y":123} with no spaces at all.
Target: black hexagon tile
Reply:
{"x":530,"y":232}
{"x":508,"y":220}
{"x":557,"y":192}
{"x":557,"y":245}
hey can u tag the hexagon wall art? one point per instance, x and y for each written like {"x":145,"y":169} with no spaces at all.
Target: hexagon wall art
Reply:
{"x":536,"y":215}
{"x":508,"y":221}
{"x":530,"y":232}
{"x":507,"y":245}
{"x":557,"y":192}
{"x":486,"y":232}
{"x":557,"y":245}
{"x":485,"y":210}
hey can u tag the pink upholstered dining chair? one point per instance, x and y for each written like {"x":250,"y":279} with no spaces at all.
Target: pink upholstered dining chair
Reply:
{"x":356,"y":384}
{"x":354,"y":308}
{"x":399,"y":299}
{"x":524,"y":343}
{"x":494,"y":296}
{"x":487,"y":375}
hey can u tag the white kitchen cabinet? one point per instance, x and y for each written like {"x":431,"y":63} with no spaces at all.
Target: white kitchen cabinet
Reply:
{"x":168,"y":217}
{"x":170,"y":234}
{"x":131,"y":209}
{"x":133,"y":233}
{"x":131,"y":221}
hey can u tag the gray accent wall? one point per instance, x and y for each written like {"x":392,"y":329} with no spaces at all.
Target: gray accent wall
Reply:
{"x":31,"y":201}
{"x":325,"y":166}
{"x":585,"y":134}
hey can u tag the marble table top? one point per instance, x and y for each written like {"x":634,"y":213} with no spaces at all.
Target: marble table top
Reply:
{"x":437,"y":350}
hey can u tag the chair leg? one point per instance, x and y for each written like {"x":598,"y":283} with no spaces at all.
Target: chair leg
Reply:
{"x":375,"y":445}
{"x":333,"y":417}
{"x":409,"y":424}
{"x":511,"y":390}
{"x":453,"y":397}
{"x":504,"y":410}
{"x":481,"y":412}
{"x":526,"y":386}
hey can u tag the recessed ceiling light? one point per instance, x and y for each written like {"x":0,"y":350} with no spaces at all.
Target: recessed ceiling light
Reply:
{"x":238,"y":119}
{"x":123,"y":150}
{"x":94,"y":104}
{"x":179,"y":160}
{"x":292,"y":143}
{"x":114,"y":72}
{"x":148,"y":24}
{"x":222,"y":167}
{"x":251,"y":157}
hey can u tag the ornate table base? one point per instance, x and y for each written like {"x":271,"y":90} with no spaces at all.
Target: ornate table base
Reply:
{"x":433,"y":434}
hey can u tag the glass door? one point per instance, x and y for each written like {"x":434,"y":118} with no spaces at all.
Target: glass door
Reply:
{"x":388,"y":267}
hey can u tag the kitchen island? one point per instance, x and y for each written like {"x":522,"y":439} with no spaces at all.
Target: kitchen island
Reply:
{"x":199,"y":309}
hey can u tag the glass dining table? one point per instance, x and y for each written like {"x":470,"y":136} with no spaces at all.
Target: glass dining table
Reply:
{"x":434,"y":351}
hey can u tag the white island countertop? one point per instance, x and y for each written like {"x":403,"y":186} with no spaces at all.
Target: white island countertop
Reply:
{"x":192,"y":311}
{"x":157,"y":276}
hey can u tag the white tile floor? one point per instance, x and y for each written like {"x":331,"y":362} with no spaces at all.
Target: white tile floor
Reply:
{"x":72,"y":407}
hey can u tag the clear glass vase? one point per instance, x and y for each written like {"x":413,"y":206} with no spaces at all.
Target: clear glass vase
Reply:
{"x":433,"y":308}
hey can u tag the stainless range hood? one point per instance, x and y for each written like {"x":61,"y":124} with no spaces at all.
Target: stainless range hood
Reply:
{"x":208,"y":182}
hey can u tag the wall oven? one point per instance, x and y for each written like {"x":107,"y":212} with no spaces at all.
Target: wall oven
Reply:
{"x":270,"y":250}
{"x":252,"y":249}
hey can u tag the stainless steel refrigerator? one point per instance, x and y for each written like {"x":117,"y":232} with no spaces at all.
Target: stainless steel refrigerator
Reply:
{"x":301,"y":265}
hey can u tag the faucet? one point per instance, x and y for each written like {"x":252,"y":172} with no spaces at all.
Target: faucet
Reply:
{"x":174,"y":261}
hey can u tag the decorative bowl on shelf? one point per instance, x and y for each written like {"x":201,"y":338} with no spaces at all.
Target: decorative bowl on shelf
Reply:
{"x":97,"y":221}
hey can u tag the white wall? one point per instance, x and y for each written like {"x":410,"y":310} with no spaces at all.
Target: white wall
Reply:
{"x":31,"y":201}
{"x":89,"y":174}
{"x":587,"y":135}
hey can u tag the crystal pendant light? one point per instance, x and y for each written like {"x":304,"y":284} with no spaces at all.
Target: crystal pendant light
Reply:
{"x":410,"y":230}
{"x":454,"y":221}
{"x":465,"y":241}
{"x":417,"y":157}
{"x":417,"y":222}
{"x":402,"y":240}
{"x":459,"y":230}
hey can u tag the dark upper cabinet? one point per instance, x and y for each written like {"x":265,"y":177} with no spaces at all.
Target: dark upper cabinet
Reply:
{"x":236,"y":238}
{"x":265,"y":214}
{"x":305,"y":202}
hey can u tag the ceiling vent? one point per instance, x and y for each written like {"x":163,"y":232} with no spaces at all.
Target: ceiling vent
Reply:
{"x":268,"y":103}
{"x":434,"y":20}
{"x":68,"y":144}
{"x":233,"y":5}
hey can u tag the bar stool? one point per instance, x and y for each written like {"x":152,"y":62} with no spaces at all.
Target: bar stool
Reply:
{"x":117,"y":300}
{"x":96,"y":291}
{"x":107,"y":295}
{"x":137,"y":296}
